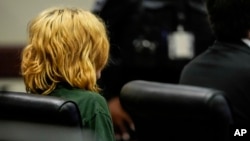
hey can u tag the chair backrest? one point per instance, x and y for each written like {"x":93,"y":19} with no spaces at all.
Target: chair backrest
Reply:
{"x":163,"y":111}
{"x":47,"y":117}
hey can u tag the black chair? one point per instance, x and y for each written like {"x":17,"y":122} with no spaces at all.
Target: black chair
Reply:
{"x":31,"y":117}
{"x":174,"y":112}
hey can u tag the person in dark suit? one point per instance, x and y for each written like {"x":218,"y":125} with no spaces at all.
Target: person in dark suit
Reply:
{"x":225,"y":65}
{"x":138,"y":31}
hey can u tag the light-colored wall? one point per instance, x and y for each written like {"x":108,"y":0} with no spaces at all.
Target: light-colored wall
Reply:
{"x":12,"y":84}
{"x":14,"y":16}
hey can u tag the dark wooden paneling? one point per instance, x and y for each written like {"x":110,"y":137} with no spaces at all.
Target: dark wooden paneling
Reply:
{"x":10,"y":61}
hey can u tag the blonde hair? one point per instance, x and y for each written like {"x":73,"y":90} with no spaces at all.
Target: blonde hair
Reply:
{"x":65,"y":45}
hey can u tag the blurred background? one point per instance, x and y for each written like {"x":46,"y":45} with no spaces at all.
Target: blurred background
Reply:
{"x":14,"y":17}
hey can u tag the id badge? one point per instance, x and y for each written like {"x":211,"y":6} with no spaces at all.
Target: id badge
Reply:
{"x":180,"y":44}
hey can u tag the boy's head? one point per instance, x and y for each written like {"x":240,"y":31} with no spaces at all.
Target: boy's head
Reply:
{"x":65,"y":45}
{"x":230,"y":19}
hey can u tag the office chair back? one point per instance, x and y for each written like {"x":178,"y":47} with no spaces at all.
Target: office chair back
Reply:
{"x":174,"y":112}
{"x":49,"y":118}
{"x":39,"y":109}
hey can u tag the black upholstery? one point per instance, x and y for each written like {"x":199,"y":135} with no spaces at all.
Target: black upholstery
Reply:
{"x":39,"y":109}
{"x":50,"y":118}
{"x":175,"y":112}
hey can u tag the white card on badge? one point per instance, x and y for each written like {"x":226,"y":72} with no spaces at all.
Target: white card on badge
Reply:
{"x":180,"y":44}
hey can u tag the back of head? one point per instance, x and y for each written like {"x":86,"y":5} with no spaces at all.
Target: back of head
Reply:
{"x":65,"y":45}
{"x":230,"y":19}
